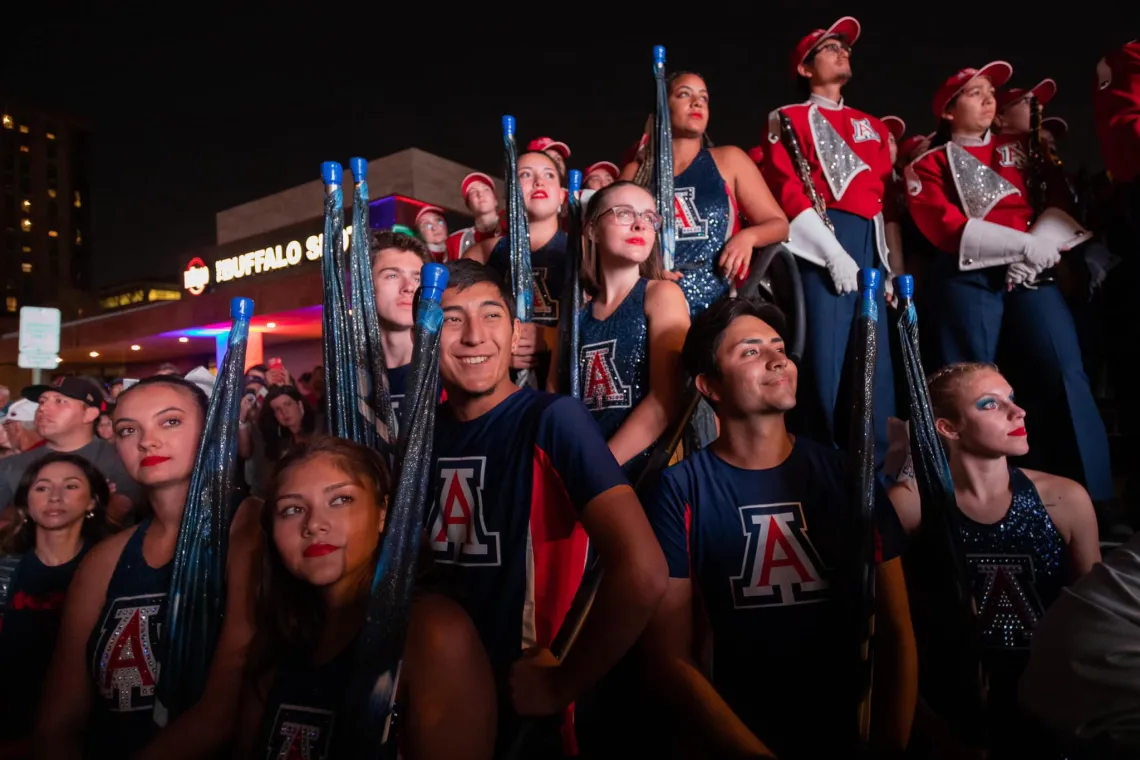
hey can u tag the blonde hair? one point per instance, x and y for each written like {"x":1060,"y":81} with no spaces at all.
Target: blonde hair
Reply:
{"x":943,"y":386}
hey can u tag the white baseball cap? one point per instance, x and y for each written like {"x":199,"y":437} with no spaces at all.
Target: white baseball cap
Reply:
{"x":20,"y":410}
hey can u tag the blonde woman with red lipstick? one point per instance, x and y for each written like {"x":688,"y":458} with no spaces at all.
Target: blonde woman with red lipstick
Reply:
{"x":1025,"y":534}
{"x":100,"y":690}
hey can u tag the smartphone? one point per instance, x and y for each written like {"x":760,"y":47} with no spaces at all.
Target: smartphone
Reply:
{"x":276,"y":363}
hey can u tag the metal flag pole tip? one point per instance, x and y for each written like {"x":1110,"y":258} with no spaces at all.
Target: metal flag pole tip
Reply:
{"x":332,"y":173}
{"x":359,"y":168}
{"x":241,"y":308}
{"x":508,"y":126}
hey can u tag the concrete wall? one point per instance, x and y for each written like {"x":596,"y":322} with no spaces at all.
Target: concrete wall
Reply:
{"x":412,"y":172}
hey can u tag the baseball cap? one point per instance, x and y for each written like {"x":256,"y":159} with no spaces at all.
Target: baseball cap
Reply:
{"x":846,"y":28}
{"x":998,"y":73}
{"x":428,"y":210}
{"x":474,"y":177}
{"x":547,"y":143}
{"x":72,"y":387}
{"x":604,"y":166}
{"x":1043,"y":91}
{"x":20,"y":410}
{"x":896,"y":126}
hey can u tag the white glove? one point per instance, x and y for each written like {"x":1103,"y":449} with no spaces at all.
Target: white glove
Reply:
{"x":810,"y":239}
{"x":1041,"y":254}
{"x":844,"y":273}
{"x":1020,"y":273}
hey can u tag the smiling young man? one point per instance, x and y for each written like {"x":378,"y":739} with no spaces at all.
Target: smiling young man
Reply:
{"x":756,"y":529}
{"x":522,"y":480}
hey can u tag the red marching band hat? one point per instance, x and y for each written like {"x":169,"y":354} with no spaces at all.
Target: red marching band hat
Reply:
{"x":1056,"y":126}
{"x":896,"y":126}
{"x":427,"y":210}
{"x":602,"y":166}
{"x":998,"y":72}
{"x":846,"y":28}
{"x":543,"y":144}
{"x":1043,"y":90}
{"x":473,"y":178}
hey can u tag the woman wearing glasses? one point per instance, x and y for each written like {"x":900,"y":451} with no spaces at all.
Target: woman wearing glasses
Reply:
{"x":714,"y":188}
{"x":632,"y":328}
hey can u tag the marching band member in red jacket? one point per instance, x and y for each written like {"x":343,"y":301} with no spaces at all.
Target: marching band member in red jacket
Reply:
{"x":479,"y":194}
{"x":835,"y":205}
{"x":1013,"y":117}
{"x":970,"y":197}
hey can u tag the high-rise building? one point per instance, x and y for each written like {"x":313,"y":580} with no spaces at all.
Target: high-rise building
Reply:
{"x":45,"y":213}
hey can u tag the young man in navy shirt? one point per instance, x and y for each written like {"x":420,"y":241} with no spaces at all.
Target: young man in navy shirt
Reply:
{"x":756,"y":531}
{"x":522,"y":480}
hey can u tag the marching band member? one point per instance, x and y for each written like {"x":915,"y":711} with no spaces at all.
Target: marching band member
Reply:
{"x":479,"y":194}
{"x":600,"y":175}
{"x":714,"y":187}
{"x":896,"y":128}
{"x":837,"y":224}
{"x":970,"y":197}
{"x":896,"y":196}
{"x":432,"y":229}
{"x":1012,"y":117}
{"x":1116,"y":105}
{"x":1053,"y":129}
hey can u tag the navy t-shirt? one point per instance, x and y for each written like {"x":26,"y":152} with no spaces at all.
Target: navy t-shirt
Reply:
{"x":509,"y":487}
{"x":762,"y":547}
{"x":547,"y":266}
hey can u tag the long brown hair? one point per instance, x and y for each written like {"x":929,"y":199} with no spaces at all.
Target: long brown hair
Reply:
{"x":20,"y":537}
{"x":591,"y":271}
{"x":290,"y":613}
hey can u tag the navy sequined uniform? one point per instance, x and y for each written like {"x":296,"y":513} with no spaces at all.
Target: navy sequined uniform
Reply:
{"x":548,"y":267}
{"x":705,"y":219}
{"x":304,"y":704}
{"x":1018,"y":565}
{"x":123,"y":651}
{"x":28,"y":629}
{"x":615,"y":365}
{"x":763,"y":548}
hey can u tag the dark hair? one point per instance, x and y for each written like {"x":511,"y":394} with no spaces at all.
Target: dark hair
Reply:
{"x":20,"y":537}
{"x":169,"y":367}
{"x":262,"y":368}
{"x":707,"y":331}
{"x":706,"y":141}
{"x":803,"y":84}
{"x":943,"y":386}
{"x":464,"y":273}
{"x":591,"y":271}
{"x":277,"y":440}
{"x":196,"y":393}
{"x":547,"y":156}
{"x":384,"y":239}
{"x":290,"y":614}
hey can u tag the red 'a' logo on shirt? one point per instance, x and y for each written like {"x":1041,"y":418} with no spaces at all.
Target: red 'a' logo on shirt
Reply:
{"x":601,"y":381}
{"x":687,"y":217}
{"x":862,"y":131}
{"x":301,"y":733}
{"x":459,"y":532}
{"x":127,"y":667}
{"x":780,"y":566}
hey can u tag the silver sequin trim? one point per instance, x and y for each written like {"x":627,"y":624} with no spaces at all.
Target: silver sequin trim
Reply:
{"x":979,"y":187}
{"x":840,"y":164}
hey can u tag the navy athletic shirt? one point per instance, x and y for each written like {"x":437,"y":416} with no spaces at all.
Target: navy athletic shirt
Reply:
{"x":762,"y":547}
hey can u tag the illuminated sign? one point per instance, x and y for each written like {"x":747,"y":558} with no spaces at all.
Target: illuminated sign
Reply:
{"x":138,"y":296}
{"x":262,"y":261}
{"x":196,"y":277}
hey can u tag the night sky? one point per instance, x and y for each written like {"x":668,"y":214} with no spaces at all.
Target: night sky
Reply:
{"x":195,"y":112}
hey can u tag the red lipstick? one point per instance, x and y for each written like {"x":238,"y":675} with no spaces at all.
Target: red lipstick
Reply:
{"x":151,"y":461}
{"x":539,"y":194}
{"x":319,"y":550}
{"x":1020,"y":432}
{"x":635,"y":241}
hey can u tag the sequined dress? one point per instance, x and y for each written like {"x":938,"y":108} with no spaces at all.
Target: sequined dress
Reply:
{"x":615,"y":365}
{"x":123,"y":652}
{"x":1018,"y":566}
{"x":705,"y":220}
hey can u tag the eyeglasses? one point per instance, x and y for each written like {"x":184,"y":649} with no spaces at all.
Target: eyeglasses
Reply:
{"x":625,"y":216}
{"x":834,"y":48}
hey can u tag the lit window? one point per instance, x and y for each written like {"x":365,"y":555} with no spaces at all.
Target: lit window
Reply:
{"x":51,"y":193}
{"x":78,"y":237}
{"x":10,"y":301}
{"x":26,"y":205}
{"x":78,"y":202}
{"x":7,"y":120}
{"x":50,"y":135}
{"x":26,"y":268}
{"x":26,"y":224}
{"x":23,"y":129}
{"x":53,"y":233}
{"x":27,"y":249}
{"x":24,"y":149}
